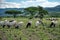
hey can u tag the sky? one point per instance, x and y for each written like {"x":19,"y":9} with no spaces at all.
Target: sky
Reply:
{"x":28,"y":3}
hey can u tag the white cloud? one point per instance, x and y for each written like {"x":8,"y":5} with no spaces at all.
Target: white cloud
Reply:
{"x":43,"y":3}
{"x":2,"y":1}
{"x":9,"y":5}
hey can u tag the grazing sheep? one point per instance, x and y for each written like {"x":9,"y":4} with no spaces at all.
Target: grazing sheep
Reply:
{"x":19,"y":24}
{"x":38,"y":23}
{"x":2,"y":23}
{"x":51,"y":19}
{"x":29,"y":24}
{"x":53,"y":23}
{"x":10,"y":24}
{"x":11,"y":20}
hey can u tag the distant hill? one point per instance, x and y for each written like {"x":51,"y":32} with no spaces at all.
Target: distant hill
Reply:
{"x":51,"y":9}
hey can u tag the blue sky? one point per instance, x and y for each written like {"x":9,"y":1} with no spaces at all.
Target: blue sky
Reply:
{"x":27,"y":0}
{"x":28,"y":3}
{"x":54,"y":0}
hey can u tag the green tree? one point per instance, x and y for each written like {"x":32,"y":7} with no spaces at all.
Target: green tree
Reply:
{"x":31,"y":11}
{"x":41,"y":12}
{"x":13,"y":12}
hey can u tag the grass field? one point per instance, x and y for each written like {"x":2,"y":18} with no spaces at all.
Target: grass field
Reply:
{"x":32,"y":33}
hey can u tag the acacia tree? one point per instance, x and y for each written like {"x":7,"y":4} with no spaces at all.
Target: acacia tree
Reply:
{"x":41,"y":12}
{"x":13,"y":12}
{"x":39,"y":9}
{"x":31,"y":11}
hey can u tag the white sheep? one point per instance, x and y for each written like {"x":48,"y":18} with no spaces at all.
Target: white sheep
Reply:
{"x":1,"y":23}
{"x":19,"y":24}
{"x":6,"y":22}
{"x":10,"y":24}
{"x":37,"y":23}
{"x":29,"y":24}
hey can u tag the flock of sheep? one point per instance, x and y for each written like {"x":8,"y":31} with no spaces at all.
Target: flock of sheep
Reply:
{"x":18,"y":24}
{"x":10,"y":23}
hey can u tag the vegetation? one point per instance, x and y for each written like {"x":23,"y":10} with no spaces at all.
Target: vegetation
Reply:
{"x":42,"y":12}
{"x":31,"y":10}
{"x":13,"y":12}
{"x":36,"y":10}
{"x":54,"y":14}
{"x":32,"y":33}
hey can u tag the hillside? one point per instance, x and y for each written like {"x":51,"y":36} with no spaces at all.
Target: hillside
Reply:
{"x":53,"y":9}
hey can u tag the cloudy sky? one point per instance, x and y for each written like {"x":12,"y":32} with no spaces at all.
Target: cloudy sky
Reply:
{"x":28,"y":3}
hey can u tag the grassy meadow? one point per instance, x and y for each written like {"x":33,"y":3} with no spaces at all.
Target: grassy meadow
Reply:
{"x":31,"y":33}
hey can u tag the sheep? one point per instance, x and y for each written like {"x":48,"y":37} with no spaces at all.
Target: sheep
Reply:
{"x":53,"y":23}
{"x":38,"y":22}
{"x":6,"y":22}
{"x":51,"y":19}
{"x":19,"y":24}
{"x":10,"y":24}
{"x":2,"y":23}
{"x":29,"y":24}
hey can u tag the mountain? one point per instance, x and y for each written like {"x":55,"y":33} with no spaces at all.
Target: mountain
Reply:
{"x":51,"y":9}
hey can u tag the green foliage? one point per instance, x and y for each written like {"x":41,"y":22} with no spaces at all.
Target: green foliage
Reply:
{"x":42,"y":12}
{"x":13,"y":12}
{"x":36,"y":10}
{"x":31,"y":10}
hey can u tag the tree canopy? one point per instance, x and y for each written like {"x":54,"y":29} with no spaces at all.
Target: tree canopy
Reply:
{"x":40,"y":11}
{"x":13,"y":12}
{"x":31,"y":10}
